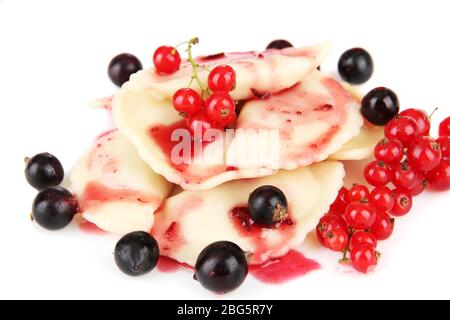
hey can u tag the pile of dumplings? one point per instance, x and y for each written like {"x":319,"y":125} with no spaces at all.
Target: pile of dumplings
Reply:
{"x":127,"y":182}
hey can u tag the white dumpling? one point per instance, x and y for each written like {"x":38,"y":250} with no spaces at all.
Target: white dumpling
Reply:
{"x":314,"y":119}
{"x":116,"y":190}
{"x":360,"y":147}
{"x":191,"y":220}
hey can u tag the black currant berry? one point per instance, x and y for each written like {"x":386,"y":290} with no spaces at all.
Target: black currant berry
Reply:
{"x":380,"y":106}
{"x":44,"y":170}
{"x":122,"y":67}
{"x":279,"y":44}
{"x":221,"y":267}
{"x":136,"y":253}
{"x":355,"y":66}
{"x":54,"y":208}
{"x":268,"y":206}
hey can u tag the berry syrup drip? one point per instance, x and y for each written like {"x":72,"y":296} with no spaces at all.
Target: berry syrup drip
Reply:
{"x":166,"y":264}
{"x":99,"y":157}
{"x":96,"y":193}
{"x":168,"y":233}
{"x":280,"y":270}
{"x":162,"y":135}
{"x":242,"y":221}
{"x":89,"y":227}
{"x":297,"y":106}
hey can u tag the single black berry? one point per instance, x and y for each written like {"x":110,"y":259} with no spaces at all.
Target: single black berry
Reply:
{"x":44,"y":170}
{"x":54,"y":208}
{"x":268,"y":206}
{"x":221,"y":267}
{"x":122,"y":67}
{"x":380,"y":106}
{"x":279,"y":44}
{"x":355,"y":66}
{"x":136,"y":253}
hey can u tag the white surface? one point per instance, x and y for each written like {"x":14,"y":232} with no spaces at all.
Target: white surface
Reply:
{"x":53,"y":60}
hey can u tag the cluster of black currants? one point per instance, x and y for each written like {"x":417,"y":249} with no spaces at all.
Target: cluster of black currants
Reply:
{"x":221,"y":267}
{"x":54,"y":207}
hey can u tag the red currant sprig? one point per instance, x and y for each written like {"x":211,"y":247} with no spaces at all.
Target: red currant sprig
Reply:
{"x":218,"y":110}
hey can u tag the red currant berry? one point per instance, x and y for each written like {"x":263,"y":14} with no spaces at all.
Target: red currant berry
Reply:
{"x":424,"y":154}
{"x":359,"y":216}
{"x":389,"y":151}
{"x":377,"y":173}
{"x":381,"y":198}
{"x":403,"y":176}
{"x":439,"y":177}
{"x":198,"y":124}
{"x":404,"y":129}
{"x":166,"y":59}
{"x":340,"y":203}
{"x":444,"y":127}
{"x":362,"y":237}
{"x":419,"y":186}
{"x":383,"y":227}
{"x":357,"y":192}
{"x":220,"y":107}
{"x":320,"y":237}
{"x":336,"y":240}
{"x":402,"y":202}
{"x":222,"y":78}
{"x":421,"y":117}
{"x":329,"y":223}
{"x":187,"y":101}
{"x":444,"y":143}
{"x":364,"y":258}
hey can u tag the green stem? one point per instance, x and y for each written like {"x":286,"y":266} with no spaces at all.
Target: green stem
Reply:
{"x":345,"y":259}
{"x":195,"y":67}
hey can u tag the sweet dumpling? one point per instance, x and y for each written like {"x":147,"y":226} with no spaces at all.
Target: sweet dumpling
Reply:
{"x":116,"y":190}
{"x":191,"y":220}
{"x":314,"y":119}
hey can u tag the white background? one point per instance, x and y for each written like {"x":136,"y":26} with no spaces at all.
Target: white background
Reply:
{"x":53,"y":59}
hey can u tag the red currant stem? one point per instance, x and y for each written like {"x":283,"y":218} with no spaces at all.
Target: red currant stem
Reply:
{"x":431,"y":115}
{"x":190,"y":82}
{"x":195,"y":66}
{"x":378,"y":255}
{"x":344,"y":258}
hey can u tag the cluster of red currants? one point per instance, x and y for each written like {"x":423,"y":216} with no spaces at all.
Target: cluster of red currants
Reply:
{"x":218,"y":110}
{"x":406,"y":159}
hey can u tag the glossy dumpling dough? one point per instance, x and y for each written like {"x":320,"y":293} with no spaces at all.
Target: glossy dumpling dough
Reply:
{"x":360,"y":147}
{"x":191,"y":220}
{"x":116,"y":190}
{"x":314,"y":119}
{"x":143,"y":111}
